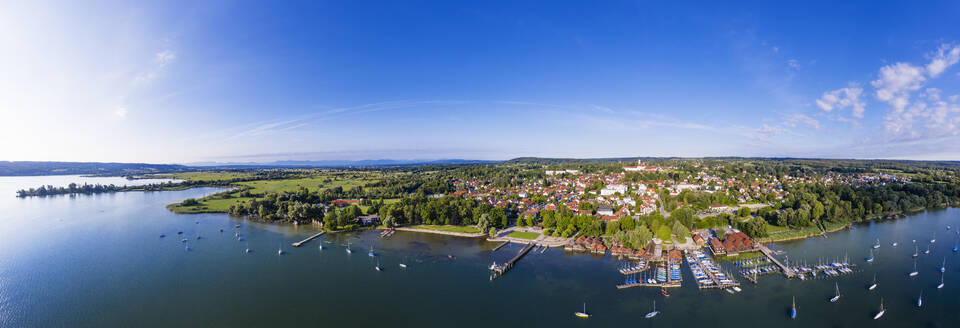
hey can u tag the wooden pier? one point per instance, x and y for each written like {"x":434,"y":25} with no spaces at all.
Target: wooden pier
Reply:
{"x":646,"y":284}
{"x":502,"y":269}
{"x":787,"y":271}
{"x":297,"y":244}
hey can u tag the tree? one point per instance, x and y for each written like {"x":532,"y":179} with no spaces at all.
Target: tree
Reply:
{"x":663,"y":232}
{"x":743,"y":212}
{"x":483,"y":224}
{"x":531,"y":220}
{"x":680,"y":230}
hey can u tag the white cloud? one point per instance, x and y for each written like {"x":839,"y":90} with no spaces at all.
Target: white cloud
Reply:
{"x":896,"y":82}
{"x":603,"y":109}
{"x":843,"y":98}
{"x":945,"y":57}
{"x":803,"y":119}
{"x":794,"y":64}
{"x":165,"y":57}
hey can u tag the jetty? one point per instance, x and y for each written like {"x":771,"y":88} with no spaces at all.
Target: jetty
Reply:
{"x":500,"y":246}
{"x":297,"y":244}
{"x":502,"y":269}
{"x":787,"y":271}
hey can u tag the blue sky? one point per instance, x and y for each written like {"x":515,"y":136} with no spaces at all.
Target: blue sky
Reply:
{"x":185,"y":81}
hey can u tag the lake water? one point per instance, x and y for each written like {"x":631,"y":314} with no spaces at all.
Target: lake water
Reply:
{"x":98,"y":260}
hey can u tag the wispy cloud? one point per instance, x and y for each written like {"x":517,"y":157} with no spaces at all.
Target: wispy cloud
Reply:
{"x":161,"y":61}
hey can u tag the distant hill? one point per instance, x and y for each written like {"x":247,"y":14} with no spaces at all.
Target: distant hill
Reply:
{"x":338,"y":163}
{"x":63,"y":168}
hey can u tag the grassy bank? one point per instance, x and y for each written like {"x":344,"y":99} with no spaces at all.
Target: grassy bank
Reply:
{"x":523,"y":235}
{"x":446,"y":228}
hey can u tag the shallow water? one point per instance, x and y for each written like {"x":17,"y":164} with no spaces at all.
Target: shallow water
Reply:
{"x":98,"y":260}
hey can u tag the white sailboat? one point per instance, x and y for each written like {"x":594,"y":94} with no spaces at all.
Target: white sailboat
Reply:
{"x":920,"y":299}
{"x":583,"y":314}
{"x":348,"y":248}
{"x":882,"y":311}
{"x":914,"y":273}
{"x":493,"y":266}
{"x":653,"y":313}
{"x":870,"y":259}
{"x":280,"y":251}
{"x":874,"y":286}
{"x":877,"y":245}
{"x":836,"y":298}
{"x":941,"y":281}
{"x":943,"y":266}
{"x":934,"y":239}
{"x":378,"y":265}
{"x":916,"y":252}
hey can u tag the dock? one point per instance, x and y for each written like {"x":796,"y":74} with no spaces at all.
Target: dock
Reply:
{"x":787,"y":271}
{"x":500,"y":246}
{"x":502,"y":269}
{"x":297,"y":244}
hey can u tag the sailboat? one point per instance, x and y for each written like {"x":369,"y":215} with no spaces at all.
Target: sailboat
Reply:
{"x":653,"y":313}
{"x":836,"y":298}
{"x":916,"y":252}
{"x":894,"y":244}
{"x":248,"y":250}
{"x":943,"y":266}
{"x":928,"y":249}
{"x":914,"y":273}
{"x":882,"y":311}
{"x":874,"y":286}
{"x":280,"y":251}
{"x":941,"y":281}
{"x":793,"y":309}
{"x":348,"y":248}
{"x":934,"y":239}
{"x":583,"y":314}
{"x":378,"y":265}
{"x":186,"y":247}
{"x":870,"y":259}
{"x":493,"y":266}
{"x":920,"y":299}
{"x":370,"y":253}
{"x":877,"y":245}
{"x":955,"y":247}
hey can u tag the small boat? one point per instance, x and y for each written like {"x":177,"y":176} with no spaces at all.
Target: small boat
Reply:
{"x":403,"y":265}
{"x":450,"y":256}
{"x":948,"y":227}
{"x":882,"y":311}
{"x":955,"y":248}
{"x":186,"y":248}
{"x":320,"y":247}
{"x":836,"y":298}
{"x":583,"y":314}
{"x":197,"y":222}
{"x":914,"y":273}
{"x":378,"y":265}
{"x":183,"y":240}
{"x":934,"y":239}
{"x":348,"y":248}
{"x":236,"y":226}
{"x":916,"y":252}
{"x":221,"y":229}
{"x":280,"y":251}
{"x":894,"y":244}
{"x":179,"y":232}
{"x":198,"y":237}
{"x":653,"y":313}
{"x":737,"y":289}
{"x":493,"y":266}
{"x":928,"y":249}
{"x":793,"y":309}
{"x":877,"y":245}
{"x":728,"y":290}
{"x":943,"y":266}
{"x":870,"y":259}
{"x":874,"y":286}
{"x":664,"y":292}
{"x":920,"y":299}
{"x":941,"y":282}
{"x":371,"y":253}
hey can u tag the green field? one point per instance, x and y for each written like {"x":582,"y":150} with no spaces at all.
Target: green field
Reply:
{"x":447,"y":228}
{"x":523,"y":235}
{"x":311,"y":180}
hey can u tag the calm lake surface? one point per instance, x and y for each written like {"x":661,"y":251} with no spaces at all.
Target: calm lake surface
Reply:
{"x":98,"y":260}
